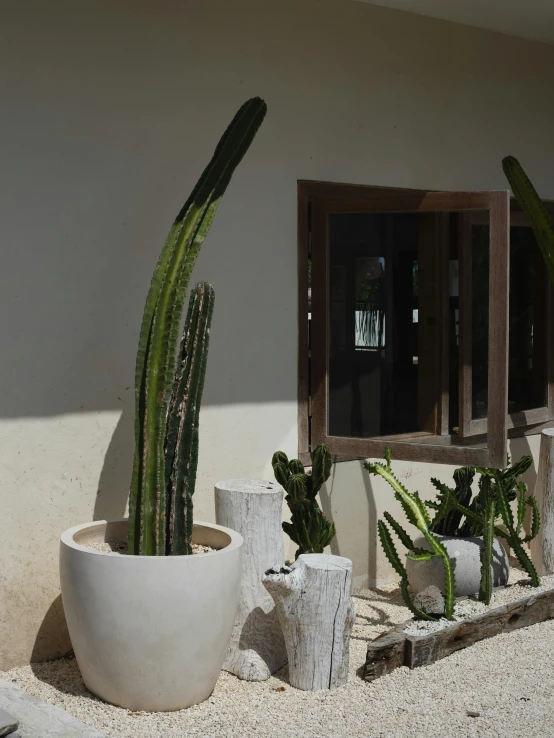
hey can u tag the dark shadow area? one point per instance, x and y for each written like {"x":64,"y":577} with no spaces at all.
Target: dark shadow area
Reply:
{"x":325,"y":495}
{"x":64,"y":675}
{"x":115,"y":477}
{"x":258,"y":636}
{"x":52,"y":640}
{"x":381,"y":618}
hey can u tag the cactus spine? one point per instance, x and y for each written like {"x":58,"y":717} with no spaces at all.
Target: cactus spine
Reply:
{"x":156,"y":356}
{"x":309,"y":529}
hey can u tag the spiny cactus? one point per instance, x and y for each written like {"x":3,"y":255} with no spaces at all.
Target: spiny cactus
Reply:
{"x":498,"y":489}
{"x":156,"y":357}
{"x":488,"y":517}
{"x":181,"y":448}
{"x":534,"y":209}
{"x":309,"y":528}
{"x":418,"y":516}
{"x":505,"y":489}
{"x":447,"y":520}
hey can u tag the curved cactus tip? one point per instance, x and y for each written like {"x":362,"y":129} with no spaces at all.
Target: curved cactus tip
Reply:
{"x":155,"y":364}
{"x":279,"y":457}
{"x":281,"y":473}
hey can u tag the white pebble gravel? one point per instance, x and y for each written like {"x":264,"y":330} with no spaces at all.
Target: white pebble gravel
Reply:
{"x":518,"y":590}
{"x":508,"y":681}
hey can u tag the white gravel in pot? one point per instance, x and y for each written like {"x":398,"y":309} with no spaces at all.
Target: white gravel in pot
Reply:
{"x":501,"y":687}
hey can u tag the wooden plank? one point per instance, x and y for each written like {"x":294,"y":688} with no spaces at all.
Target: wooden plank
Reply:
{"x":397,"y":648}
{"x":425,"y":650}
{"x":384,"y":654}
{"x":435,"y":449}
{"x":410,"y":202}
{"x":303,"y":337}
{"x":520,"y":419}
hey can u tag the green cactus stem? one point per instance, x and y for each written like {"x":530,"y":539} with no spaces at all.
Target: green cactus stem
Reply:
{"x":392,"y":555}
{"x":156,"y":356}
{"x":309,"y":528}
{"x":534,"y":209}
{"x":417,"y":515}
{"x":181,"y":449}
{"x":489,"y":516}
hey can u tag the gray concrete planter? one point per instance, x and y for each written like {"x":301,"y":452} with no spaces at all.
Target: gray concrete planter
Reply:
{"x":465,"y":555}
{"x":150,"y":632}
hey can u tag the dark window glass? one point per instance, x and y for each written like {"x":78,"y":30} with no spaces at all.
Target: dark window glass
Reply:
{"x":527,"y":332}
{"x":373,"y":343}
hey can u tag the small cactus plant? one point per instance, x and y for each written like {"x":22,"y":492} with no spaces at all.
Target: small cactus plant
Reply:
{"x":498,"y":488}
{"x":416,"y":513}
{"x":167,"y":402}
{"x":309,"y":528}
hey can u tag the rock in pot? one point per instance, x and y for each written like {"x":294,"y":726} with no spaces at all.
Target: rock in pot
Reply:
{"x":465,"y":555}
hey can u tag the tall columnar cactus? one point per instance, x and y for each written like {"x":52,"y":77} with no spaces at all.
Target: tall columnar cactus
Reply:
{"x":534,"y":209}
{"x":181,"y":447}
{"x":156,"y":356}
{"x":309,"y":528}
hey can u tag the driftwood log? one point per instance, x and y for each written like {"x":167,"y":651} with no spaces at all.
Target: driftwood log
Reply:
{"x":396,"y":648}
{"x":254,"y":509}
{"x":542,"y":547}
{"x":314,"y":603}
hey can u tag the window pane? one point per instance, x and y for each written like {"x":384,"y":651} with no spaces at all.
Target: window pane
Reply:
{"x":527,"y":333}
{"x":373,"y":345}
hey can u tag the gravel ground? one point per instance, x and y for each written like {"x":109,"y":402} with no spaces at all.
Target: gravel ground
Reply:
{"x":502,"y":687}
{"x":466,"y":607}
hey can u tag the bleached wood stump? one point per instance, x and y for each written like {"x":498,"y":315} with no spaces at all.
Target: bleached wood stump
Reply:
{"x":542,"y":547}
{"x":316,"y":612}
{"x":254,"y":509}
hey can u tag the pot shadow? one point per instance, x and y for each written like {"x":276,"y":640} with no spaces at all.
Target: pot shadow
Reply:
{"x":52,"y":660}
{"x":52,"y":639}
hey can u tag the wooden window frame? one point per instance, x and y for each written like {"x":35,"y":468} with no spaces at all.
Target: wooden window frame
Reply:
{"x":523,"y":422}
{"x":318,"y":199}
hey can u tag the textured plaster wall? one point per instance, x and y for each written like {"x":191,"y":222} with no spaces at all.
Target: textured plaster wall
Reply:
{"x":110,"y":111}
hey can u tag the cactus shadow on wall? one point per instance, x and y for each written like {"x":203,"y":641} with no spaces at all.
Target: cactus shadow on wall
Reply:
{"x":373,"y":541}
{"x":113,"y":484}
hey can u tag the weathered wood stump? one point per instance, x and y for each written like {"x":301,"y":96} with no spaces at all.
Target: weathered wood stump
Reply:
{"x":254,"y":509}
{"x":316,"y":612}
{"x":542,"y":547}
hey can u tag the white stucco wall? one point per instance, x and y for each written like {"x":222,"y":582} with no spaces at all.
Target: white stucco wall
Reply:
{"x":110,"y":111}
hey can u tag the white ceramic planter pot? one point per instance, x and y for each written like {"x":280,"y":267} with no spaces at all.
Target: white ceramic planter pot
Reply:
{"x":465,"y":555}
{"x":150,"y":632}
